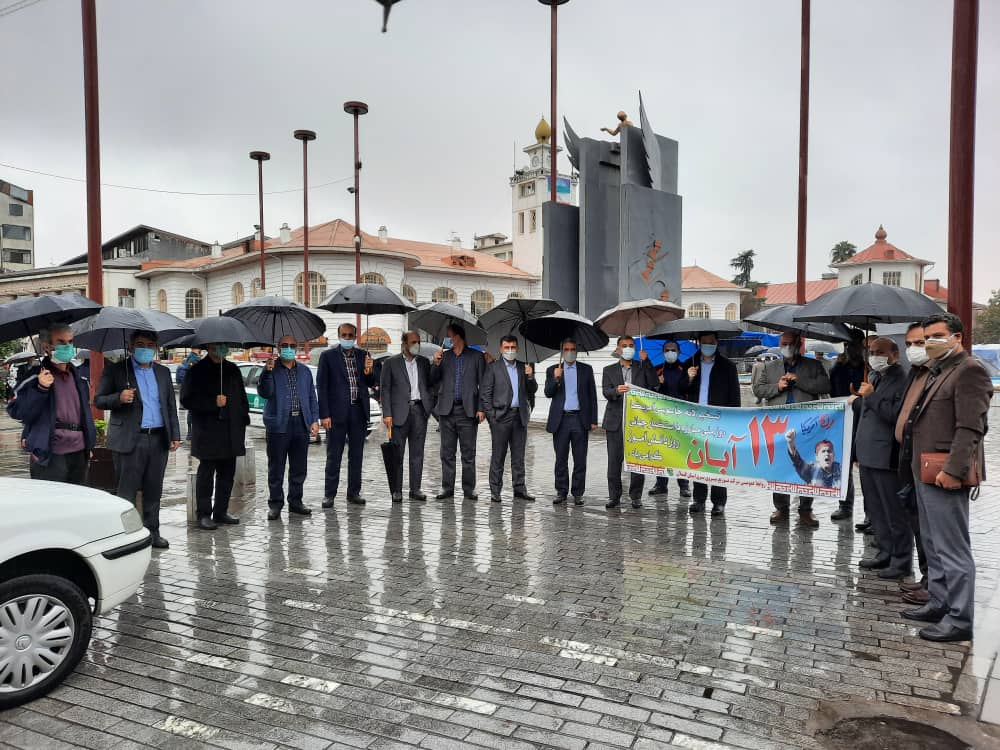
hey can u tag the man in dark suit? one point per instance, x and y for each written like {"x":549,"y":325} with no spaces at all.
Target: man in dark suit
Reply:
{"x":456,"y":375}
{"x":406,"y":405}
{"x":504,"y":395}
{"x":572,"y":395}
{"x":948,"y":417}
{"x":877,"y":452}
{"x":143,"y":426}
{"x":616,"y":379}
{"x":713,"y":381}
{"x":342,"y":383}
{"x":674,"y":383}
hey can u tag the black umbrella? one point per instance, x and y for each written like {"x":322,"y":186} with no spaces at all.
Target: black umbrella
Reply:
{"x":782,"y":318}
{"x":113,"y":327}
{"x":822,"y":347}
{"x":506,"y":318}
{"x":367,"y":299}
{"x":550,"y":330}
{"x":393,"y":464}
{"x":223,"y":330}
{"x":435,"y":317}
{"x":689,"y":328}
{"x":270,"y":318}
{"x":23,"y":317}
{"x":864,"y":305}
{"x":184,"y":342}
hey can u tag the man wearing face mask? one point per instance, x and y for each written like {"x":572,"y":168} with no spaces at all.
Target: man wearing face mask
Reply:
{"x":507,"y":386}
{"x":143,"y":426}
{"x":572,"y":395}
{"x":712,"y":380}
{"x":54,"y":405}
{"x":946,"y":425}
{"x":791,"y":380}
{"x":877,"y":453}
{"x":846,"y":376}
{"x":291,"y":418}
{"x":674,"y":383}
{"x":616,"y":380}
{"x":214,"y":394}
{"x":406,"y":405}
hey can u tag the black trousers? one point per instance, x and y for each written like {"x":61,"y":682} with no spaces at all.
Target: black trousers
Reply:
{"x":783,"y":502}
{"x":291,"y":448}
{"x":719,"y":494}
{"x":221,"y":473}
{"x":350,"y":432}
{"x":411,"y":434}
{"x":143,"y":469}
{"x":888,"y":516}
{"x":508,"y":433}
{"x":572,"y":433}
{"x":70,"y":468}
{"x":458,"y":430}
{"x":616,"y":459}
{"x":663,"y":482}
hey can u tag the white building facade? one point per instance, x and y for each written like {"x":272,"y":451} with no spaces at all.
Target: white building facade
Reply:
{"x":17,"y":228}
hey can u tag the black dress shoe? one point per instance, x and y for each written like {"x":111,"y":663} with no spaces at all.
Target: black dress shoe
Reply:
{"x":658,"y":491}
{"x":418,"y":495}
{"x":300,"y":510}
{"x":560,"y":499}
{"x":328,"y":502}
{"x":471,"y":496}
{"x":686,"y":492}
{"x":159,"y":542}
{"x":842,"y":514}
{"x":945,"y":633}
{"x":862,"y":528}
{"x":718,"y":510}
{"x":614,"y":503}
{"x":397,"y":497}
{"x":273,"y":515}
{"x":226,"y":519}
{"x":696,"y":508}
{"x":524,"y":496}
{"x":636,"y":503}
{"x":894,"y":574}
{"x":926,"y":613}
{"x":495,"y":498}
{"x":577,"y":499}
{"x":207,"y":524}
{"x":355,"y":500}
{"x":874,"y":563}
{"x":444,"y":494}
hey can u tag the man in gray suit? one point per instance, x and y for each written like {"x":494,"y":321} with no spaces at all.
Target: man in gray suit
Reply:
{"x":616,"y":379}
{"x":406,"y":404}
{"x":456,"y":374}
{"x":143,"y":427}
{"x":507,"y":387}
{"x":791,"y":380}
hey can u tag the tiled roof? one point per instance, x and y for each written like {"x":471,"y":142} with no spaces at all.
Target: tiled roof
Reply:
{"x":696,"y":277}
{"x":786,"y":294}
{"x":934,"y":290}
{"x":881,"y":252}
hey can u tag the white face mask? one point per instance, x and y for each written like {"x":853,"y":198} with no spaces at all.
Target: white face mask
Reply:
{"x":414,"y":350}
{"x":788,"y":352}
{"x":628,"y":352}
{"x":569,"y":357}
{"x":916,"y":355}
{"x":670,"y":357}
{"x":510,"y":356}
{"x":878,"y":364}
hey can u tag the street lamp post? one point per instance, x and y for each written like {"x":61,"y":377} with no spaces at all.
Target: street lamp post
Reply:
{"x":305,"y":136}
{"x":800,"y":271}
{"x":553,"y":177}
{"x":356,"y":109}
{"x":260,"y":157}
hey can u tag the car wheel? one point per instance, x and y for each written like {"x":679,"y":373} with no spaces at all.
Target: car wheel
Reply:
{"x":45,"y":628}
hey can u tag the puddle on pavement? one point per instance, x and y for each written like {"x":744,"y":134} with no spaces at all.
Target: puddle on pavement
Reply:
{"x":883,"y":733}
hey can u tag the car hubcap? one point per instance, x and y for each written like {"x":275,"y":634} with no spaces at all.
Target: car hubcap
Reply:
{"x":36,"y":633}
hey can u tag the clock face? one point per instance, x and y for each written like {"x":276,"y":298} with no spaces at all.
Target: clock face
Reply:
{"x":535,"y":161}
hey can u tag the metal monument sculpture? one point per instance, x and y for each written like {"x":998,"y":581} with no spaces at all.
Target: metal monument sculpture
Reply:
{"x":623,"y":242}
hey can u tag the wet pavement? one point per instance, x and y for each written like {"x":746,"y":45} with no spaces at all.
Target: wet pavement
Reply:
{"x":463,"y":624}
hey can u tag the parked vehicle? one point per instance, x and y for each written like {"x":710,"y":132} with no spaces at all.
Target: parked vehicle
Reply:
{"x":68,"y":553}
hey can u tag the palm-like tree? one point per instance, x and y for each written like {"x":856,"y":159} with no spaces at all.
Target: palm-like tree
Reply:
{"x":842,"y":252}
{"x":743,"y":265}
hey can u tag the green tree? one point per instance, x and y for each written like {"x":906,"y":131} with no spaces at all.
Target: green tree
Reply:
{"x":751,"y":303}
{"x":9,"y":347}
{"x":987,"y":329}
{"x":743,"y":265}
{"x":842,"y":251}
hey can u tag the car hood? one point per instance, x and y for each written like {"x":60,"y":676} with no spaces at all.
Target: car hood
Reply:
{"x":36,"y":514}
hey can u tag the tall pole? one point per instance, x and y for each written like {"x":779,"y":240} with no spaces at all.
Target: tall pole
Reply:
{"x":305,"y":136}
{"x":92,"y":128}
{"x":800,"y":275}
{"x":260,"y":157}
{"x":356,"y":109}
{"x":961,"y":184}
{"x":553,"y":177}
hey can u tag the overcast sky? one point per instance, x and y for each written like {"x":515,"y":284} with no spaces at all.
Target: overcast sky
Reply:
{"x":189,"y":87}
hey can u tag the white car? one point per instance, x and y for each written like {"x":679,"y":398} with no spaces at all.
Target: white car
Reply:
{"x":66,"y":553}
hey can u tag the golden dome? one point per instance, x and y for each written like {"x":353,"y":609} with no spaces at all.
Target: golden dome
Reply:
{"x":542,"y":131}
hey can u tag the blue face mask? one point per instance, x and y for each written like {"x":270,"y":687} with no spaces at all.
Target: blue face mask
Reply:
{"x":709,"y":349}
{"x":221,"y":350}
{"x":446,"y":343}
{"x":347,"y":343}
{"x":144,"y":356}
{"x":287,"y":353}
{"x":63,"y":353}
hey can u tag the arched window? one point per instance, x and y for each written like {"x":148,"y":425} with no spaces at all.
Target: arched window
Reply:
{"x":317,"y":288}
{"x":375,"y":340}
{"x":732,"y":311}
{"x":858,"y":280}
{"x":444,"y":294}
{"x":194,"y":304}
{"x":237,"y":293}
{"x":515,"y":295}
{"x":372,"y":278}
{"x":699,"y":310}
{"x":161,"y":300}
{"x":255,"y":287}
{"x":409,"y":293}
{"x":482,"y":300}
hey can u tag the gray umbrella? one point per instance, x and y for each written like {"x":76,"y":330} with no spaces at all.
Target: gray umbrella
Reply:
{"x":782,"y":318}
{"x":270,"y":318}
{"x":689,"y":328}
{"x":435,"y":317}
{"x":112,"y":328}
{"x":550,"y":330}
{"x":14,"y":359}
{"x":367,"y":299}
{"x":507,"y":317}
{"x":25,"y":316}
{"x":864,"y":305}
